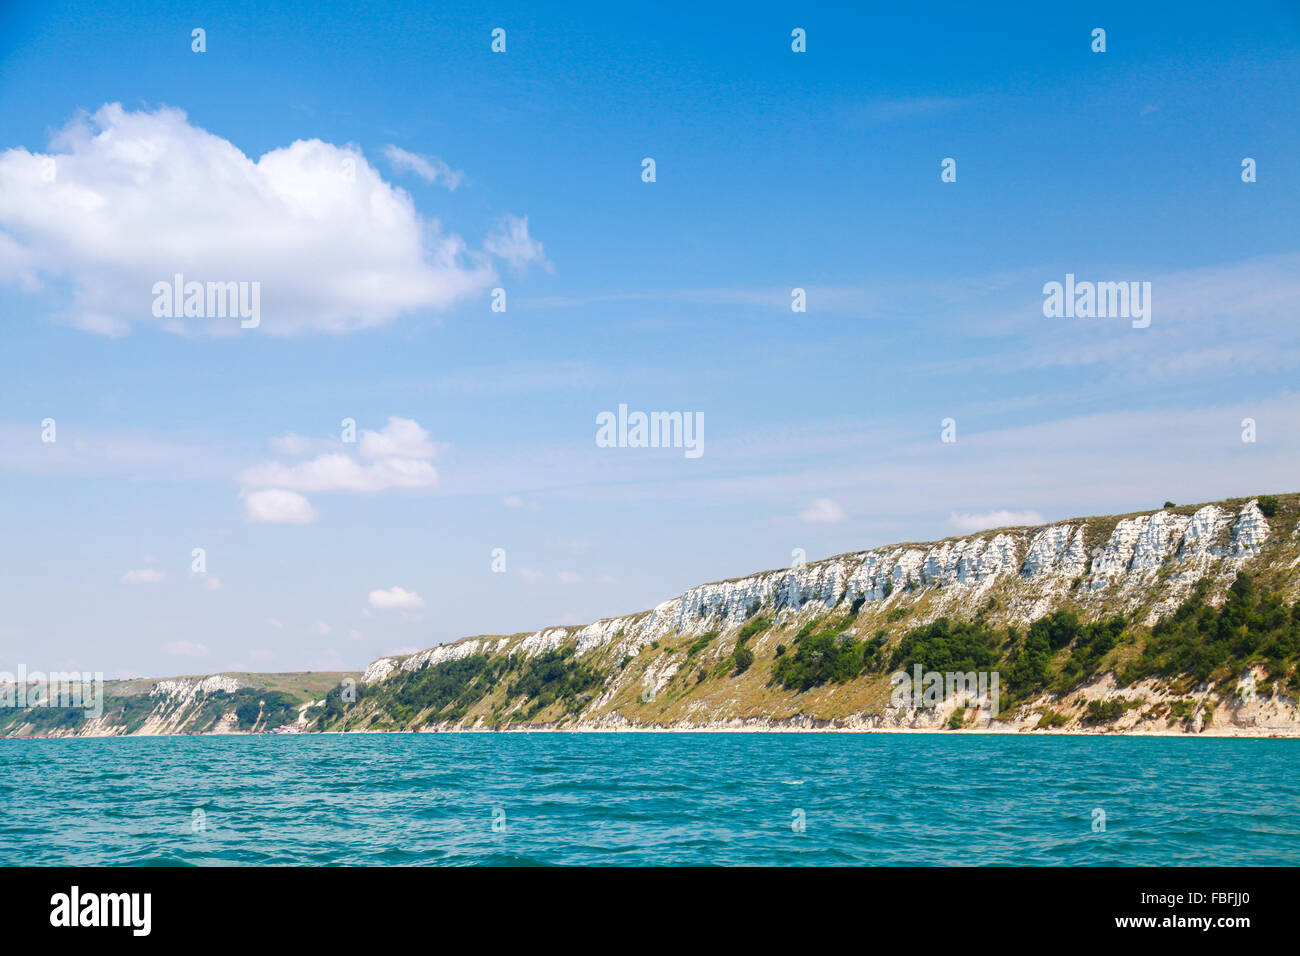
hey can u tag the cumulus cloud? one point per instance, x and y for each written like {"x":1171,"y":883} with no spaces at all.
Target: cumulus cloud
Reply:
{"x":125,"y":199}
{"x":398,"y":459}
{"x":143,"y":576}
{"x":400,"y":438}
{"x":983,"y":521}
{"x":277,"y":506}
{"x":396,"y":598}
{"x":429,"y":168}
{"x":823,"y":511}
{"x":510,"y":241}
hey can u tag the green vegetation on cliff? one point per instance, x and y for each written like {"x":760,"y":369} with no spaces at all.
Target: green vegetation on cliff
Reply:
{"x":1056,"y":653}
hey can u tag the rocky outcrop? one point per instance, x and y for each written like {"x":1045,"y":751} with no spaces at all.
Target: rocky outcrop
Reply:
{"x":181,"y":690}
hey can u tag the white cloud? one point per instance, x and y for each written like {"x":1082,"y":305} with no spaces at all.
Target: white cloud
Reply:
{"x":570,"y":577}
{"x":396,"y":597}
{"x":277,"y":506}
{"x":261,"y":656}
{"x":185,"y":649}
{"x":983,"y":521}
{"x":140,"y":196}
{"x":341,"y":472}
{"x":400,"y":438}
{"x":429,"y":168}
{"x":511,"y":242}
{"x":323,"y":629}
{"x":398,"y":460}
{"x":211,"y":582}
{"x":529,"y":575}
{"x":143,"y":576}
{"x":278,"y":625}
{"x":823,"y":511}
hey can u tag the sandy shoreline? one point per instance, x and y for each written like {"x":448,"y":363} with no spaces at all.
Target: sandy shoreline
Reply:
{"x":1234,"y":733}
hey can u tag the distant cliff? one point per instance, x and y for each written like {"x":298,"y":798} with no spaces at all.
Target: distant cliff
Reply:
{"x":1181,"y":620}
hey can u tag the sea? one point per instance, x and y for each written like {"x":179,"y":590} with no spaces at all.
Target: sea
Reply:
{"x":645,"y":799}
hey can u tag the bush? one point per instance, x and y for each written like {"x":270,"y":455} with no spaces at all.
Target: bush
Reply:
{"x":1060,"y":628}
{"x":945,"y":645}
{"x":1104,"y":711}
{"x":1182,"y":709}
{"x":1052,"y":718}
{"x":1253,"y":625}
{"x":819,"y":659}
{"x":1267,"y":504}
{"x":701,"y":643}
{"x":247,"y":713}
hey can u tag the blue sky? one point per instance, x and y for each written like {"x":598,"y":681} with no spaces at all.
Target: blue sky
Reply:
{"x":774,"y":170}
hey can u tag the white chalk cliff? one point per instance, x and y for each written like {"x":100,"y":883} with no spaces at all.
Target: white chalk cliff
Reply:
{"x":1147,"y":563}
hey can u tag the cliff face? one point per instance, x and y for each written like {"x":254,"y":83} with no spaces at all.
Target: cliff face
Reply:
{"x":221,"y":703}
{"x":668,"y":667}
{"x":1145,"y":563}
{"x":708,"y":658}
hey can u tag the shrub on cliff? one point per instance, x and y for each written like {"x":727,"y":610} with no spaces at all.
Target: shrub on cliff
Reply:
{"x":945,"y":645}
{"x":1104,"y":711}
{"x":819,"y":659}
{"x":1253,"y":625}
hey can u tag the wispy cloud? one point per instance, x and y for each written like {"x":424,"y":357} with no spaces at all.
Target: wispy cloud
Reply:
{"x":511,"y":242}
{"x":908,"y":107}
{"x":144,"y":576}
{"x":823,"y":511}
{"x":982,"y":521}
{"x":429,"y":168}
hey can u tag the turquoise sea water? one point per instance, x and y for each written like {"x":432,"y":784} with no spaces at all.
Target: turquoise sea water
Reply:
{"x":629,"y":799}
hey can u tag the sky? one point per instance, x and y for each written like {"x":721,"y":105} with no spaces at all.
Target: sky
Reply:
{"x":378,"y":170}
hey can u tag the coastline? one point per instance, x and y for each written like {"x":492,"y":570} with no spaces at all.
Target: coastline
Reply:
{"x":1260,"y":733}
